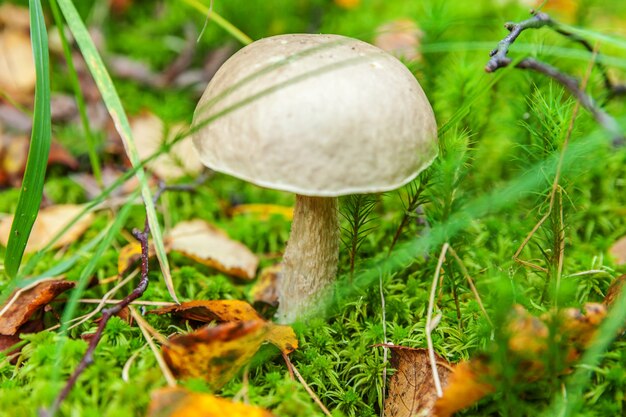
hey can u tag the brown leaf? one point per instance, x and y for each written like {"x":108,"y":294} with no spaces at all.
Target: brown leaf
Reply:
{"x":214,"y":354}
{"x":50,"y":221}
{"x":210,"y":246}
{"x":265,"y":290}
{"x":618,"y":251}
{"x":17,"y":68}
{"x":411,"y":388}
{"x":14,"y":17}
{"x":6,"y":342}
{"x":207,"y":311}
{"x":178,"y":402}
{"x":615,"y":289}
{"x":217,"y":353}
{"x":401,"y":38}
{"x":22,"y":304}
{"x":150,"y":132}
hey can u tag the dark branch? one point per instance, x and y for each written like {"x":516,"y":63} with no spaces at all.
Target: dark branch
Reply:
{"x":499,"y":59}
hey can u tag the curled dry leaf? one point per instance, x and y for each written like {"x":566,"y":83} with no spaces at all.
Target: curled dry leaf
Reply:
{"x":178,"y":402}
{"x":411,"y":388}
{"x":401,"y":38}
{"x":150,"y":133}
{"x":22,"y":304}
{"x":51,"y":221}
{"x":6,"y":342}
{"x":17,"y":68}
{"x":265,"y":291}
{"x":217,"y":353}
{"x":618,"y":251}
{"x":211,"y":246}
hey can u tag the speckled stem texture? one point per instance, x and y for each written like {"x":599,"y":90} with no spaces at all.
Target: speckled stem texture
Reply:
{"x":310,"y":261}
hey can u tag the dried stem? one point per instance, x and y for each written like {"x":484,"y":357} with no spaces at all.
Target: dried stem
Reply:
{"x":499,"y":59}
{"x":429,"y":321}
{"x":107,"y":313}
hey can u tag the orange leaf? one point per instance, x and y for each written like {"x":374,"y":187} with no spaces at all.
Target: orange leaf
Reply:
{"x":22,"y":304}
{"x":411,"y":388}
{"x":210,"y":246}
{"x":51,"y":221}
{"x":178,"y":402}
{"x":348,"y":4}
{"x":214,"y":354}
{"x":217,"y":353}
{"x":207,"y":311}
{"x":465,"y":387}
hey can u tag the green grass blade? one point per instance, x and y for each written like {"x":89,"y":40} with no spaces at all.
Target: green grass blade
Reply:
{"x":221,"y":22}
{"x":34,"y":175}
{"x":116,"y":110}
{"x":78,"y":94}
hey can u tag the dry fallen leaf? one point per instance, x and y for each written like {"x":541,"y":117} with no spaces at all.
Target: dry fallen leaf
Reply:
{"x":217,"y":353}
{"x":615,"y":289}
{"x":50,"y":221}
{"x":527,"y":346}
{"x":178,"y":402}
{"x":150,"y":132}
{"x":618,"y":251}
{"x":411,"y":388}
{"x":211,"y":246}
{"x":262,"y":211}
{"x":265,"y":290}
{"x":17,"y":68}
{"x":22,"y":304}
{"x":401,"y":38}
{"x":206,"y":311}
{"x":14,"y":17}
{"x":130,"y":254}
{"x":214,"y":354}
{"x":466,"y":385}
{"x":6,"y":342}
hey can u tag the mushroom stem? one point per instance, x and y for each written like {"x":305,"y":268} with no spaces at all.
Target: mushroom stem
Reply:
{"x":310,"y":260}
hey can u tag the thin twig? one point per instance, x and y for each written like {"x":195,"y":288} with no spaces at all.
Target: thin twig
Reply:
{"x":385,"y":349}
{"x":307,"y":388}
{"x":87,"y":359}
{"x":148,"y":335}
{"x":429,"y":321}
{"x":499,"y":59}
{"x":470,"y":281}
{"x":134,"y":303}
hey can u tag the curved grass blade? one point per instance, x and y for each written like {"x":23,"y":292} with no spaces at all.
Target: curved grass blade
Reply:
{"x":116,"y":110}
{"x":221,"y":22}
{"x":78,"y":94}
{"x":34,"y":175}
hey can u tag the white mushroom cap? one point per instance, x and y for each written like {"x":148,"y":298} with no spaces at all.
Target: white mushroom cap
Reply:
{"x":317,"y":115}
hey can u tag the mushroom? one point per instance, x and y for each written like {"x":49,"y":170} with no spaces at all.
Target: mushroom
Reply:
{"x":320,"y":116}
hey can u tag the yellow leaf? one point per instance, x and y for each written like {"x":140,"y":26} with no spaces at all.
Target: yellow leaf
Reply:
{"x":178,"y":402}
{"x":263,"y":211}
{"x":207,"y":311}
{"x":205,"y":243}
{"x":51,"y":221}
{"x":348,"y":4}
{"x":283,"y":337}
{"x":214,"y":354}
